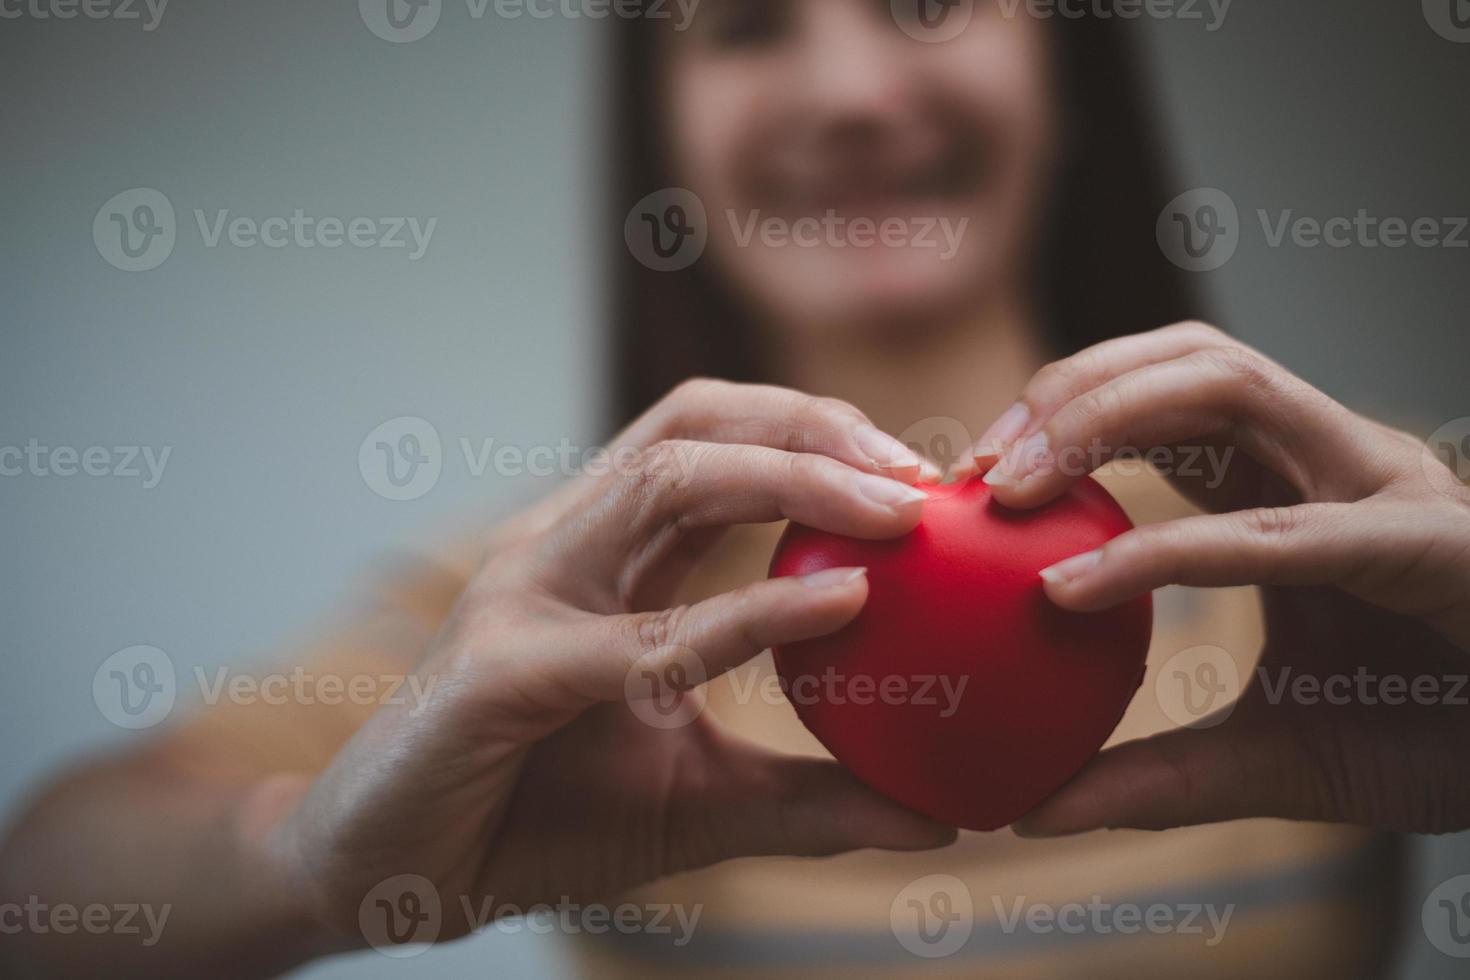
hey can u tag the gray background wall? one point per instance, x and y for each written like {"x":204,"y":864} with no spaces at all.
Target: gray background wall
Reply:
{"x":264,"y":369}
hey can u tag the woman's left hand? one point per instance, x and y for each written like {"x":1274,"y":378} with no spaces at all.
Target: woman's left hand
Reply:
{"x":1360,"y":543}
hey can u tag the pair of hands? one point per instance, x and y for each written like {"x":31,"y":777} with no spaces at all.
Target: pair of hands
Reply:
{"x":528,"y":778}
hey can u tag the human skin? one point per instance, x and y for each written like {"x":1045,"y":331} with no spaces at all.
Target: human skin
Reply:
{"x":1358,"y":539}
{"x":527,"y":776}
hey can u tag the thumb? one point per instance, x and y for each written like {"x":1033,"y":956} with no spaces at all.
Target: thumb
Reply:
{"x":1184,"y":777}
{"x":785,"y":805}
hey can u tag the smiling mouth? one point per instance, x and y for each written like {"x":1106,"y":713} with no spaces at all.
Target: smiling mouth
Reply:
{"x":860,"y":187}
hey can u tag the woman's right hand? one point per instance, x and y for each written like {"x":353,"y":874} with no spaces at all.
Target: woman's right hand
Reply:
{"x":531,"y":775}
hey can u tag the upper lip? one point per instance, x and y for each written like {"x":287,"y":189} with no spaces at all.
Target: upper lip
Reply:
{"x":853,"y":178}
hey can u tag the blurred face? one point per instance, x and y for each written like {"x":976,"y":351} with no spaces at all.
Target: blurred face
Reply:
{"x":851,"y":172}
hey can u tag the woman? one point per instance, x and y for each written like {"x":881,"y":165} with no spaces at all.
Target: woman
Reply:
{"x":526,"y":778}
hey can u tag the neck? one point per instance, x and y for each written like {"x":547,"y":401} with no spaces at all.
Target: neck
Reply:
{"x":966,"y":372}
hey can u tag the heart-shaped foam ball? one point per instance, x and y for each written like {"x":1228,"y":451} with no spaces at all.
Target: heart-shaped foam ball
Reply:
{"x":961,"y":690}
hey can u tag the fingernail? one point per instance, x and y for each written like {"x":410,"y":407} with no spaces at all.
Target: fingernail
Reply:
{"x":885,"y":451}
{"x":929,"y":471}
{"x":1020,"y":464}
{"x":831,"y":578}
{"x":1073,"y":568}
{"x":889,"y":493}
{"x":1007,"y":428}
{"x":988,"y":453}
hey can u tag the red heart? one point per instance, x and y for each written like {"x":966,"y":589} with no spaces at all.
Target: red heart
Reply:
{"x":961,"y":690}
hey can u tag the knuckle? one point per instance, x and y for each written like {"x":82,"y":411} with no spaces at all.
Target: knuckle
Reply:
{"x":1151,"y":546}
{"x":1241,"y":364}
{"x":657,"y":471}
{"x":1054,"y":378}
{"x":694,"y":390}
{"x":811,"y":470}
{"x":1085,"y":366}
{"x":682,"y":403}
{"x":834,"y":409}
{"x":658,"y":630}
{"x":1204,"y":334}
{"x":1099,"y":406}
{"x":814,"y":422}
{"x":1271,"y":523}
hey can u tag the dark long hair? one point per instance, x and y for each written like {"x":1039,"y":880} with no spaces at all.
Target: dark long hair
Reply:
{"x":1098,"y":269}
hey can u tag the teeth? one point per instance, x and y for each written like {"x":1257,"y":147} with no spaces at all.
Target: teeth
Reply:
{"x":809,"y":192}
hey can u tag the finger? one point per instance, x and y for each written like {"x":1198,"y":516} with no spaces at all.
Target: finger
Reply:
{"x":1185,"y":777}
{"x":680,"y":648}
{"x":707,"y":410}
{"x":679,"y":488}
{"x":768,"y":804}
{"x":1060,"y":381}
{"x":1367,"y":549}
{"x":1231,"y":394}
